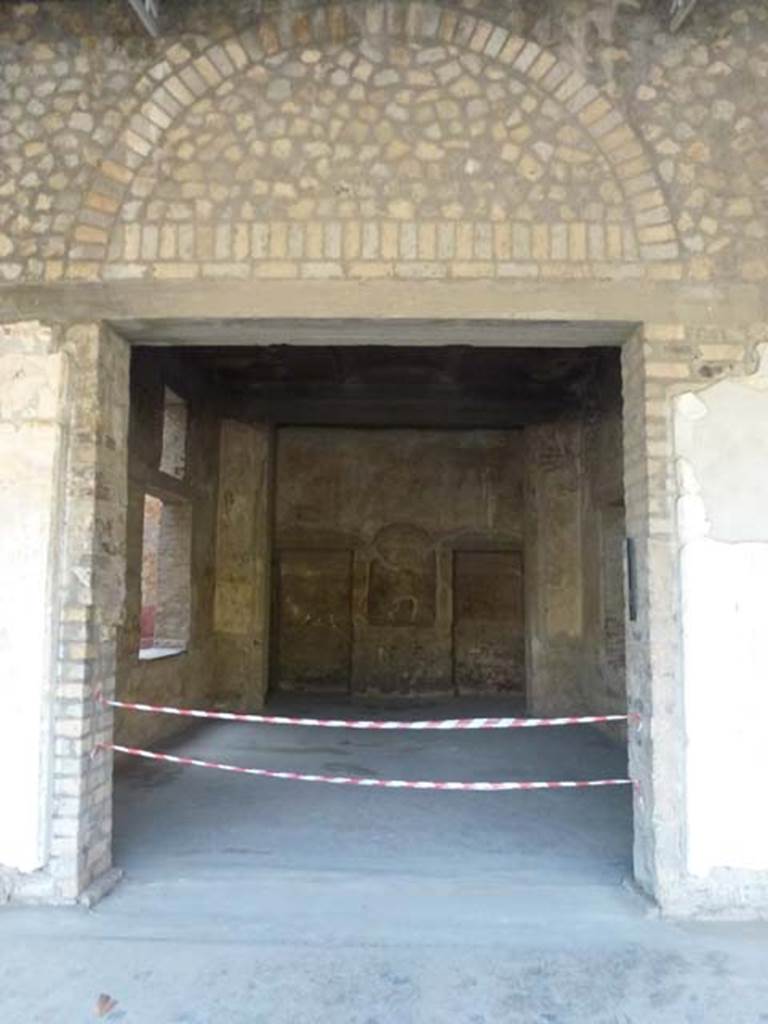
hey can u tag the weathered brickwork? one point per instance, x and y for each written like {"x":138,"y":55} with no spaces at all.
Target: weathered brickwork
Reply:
{"x":92,"y":599}
{"x":385,"y":139}
{"x":432,"y":159}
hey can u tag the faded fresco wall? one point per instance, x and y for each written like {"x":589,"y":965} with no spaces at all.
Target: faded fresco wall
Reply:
{"x":454,"y":561}
{"x":374,"y":533}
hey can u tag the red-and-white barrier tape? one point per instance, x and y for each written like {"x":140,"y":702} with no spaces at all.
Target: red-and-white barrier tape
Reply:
{"x":343,"y":723}
{"x":351,"y":780}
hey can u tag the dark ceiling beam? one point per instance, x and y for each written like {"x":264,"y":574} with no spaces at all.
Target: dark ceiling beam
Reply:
{"x":391,"y":412}
{"x":148,"y":12}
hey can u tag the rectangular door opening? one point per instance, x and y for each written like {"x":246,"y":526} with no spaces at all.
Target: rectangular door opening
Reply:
{"x":389,"y":532}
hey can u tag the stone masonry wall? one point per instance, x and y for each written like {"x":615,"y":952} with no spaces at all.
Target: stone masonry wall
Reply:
{"x":92,"y":595}
{"x":380,"y":139}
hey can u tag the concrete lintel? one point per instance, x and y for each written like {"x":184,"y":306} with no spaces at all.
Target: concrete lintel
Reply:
{"x":578,"y":301}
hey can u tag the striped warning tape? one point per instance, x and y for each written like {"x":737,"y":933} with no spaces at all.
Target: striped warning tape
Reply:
{"x":351,"y":780}
{"x":343,"y":723}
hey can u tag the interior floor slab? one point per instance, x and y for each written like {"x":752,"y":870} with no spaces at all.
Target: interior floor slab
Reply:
{"x":190,"y":822}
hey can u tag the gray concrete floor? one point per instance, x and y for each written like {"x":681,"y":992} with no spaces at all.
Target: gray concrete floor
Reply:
{"x":174,"y":822}
{"x":249,"y":900}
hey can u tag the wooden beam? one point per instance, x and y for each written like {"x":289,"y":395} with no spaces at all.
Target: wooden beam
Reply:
{"x":160,"y":485}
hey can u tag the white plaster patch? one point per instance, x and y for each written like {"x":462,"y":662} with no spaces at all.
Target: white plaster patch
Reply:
{"x":691,"y":512}
{"x":27,"y":336}
{"x":725,"y":626}
{"x":759,"y":379}
{"x":31,"y":389}
{"x":721,"y":437}
{"x":27,"y":461}
{"x":691,"y":406}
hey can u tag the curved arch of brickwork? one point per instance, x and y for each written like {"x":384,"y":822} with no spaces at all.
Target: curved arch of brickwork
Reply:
{"x":175,"y":84}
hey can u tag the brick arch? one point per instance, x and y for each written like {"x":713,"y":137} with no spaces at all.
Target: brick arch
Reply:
{"x":175,"y":83}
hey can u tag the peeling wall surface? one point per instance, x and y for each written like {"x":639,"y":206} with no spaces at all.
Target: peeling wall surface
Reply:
{"x":722,"y":457}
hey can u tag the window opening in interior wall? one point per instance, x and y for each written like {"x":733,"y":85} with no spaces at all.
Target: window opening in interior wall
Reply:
{"x":173,"y":459}
{"x":166,"y":578}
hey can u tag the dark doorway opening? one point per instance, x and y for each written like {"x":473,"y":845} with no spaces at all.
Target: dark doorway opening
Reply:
{"x":385,"y":531}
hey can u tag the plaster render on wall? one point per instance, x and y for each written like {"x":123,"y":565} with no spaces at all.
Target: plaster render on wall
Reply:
{"x":241,"y":603}
{"x":30,"y":439}
{"x":574,"y":535}
{"x":722,"y":451}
